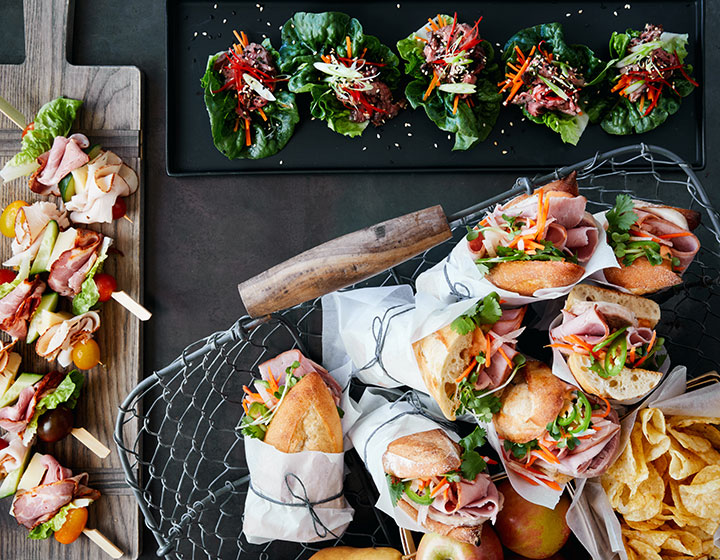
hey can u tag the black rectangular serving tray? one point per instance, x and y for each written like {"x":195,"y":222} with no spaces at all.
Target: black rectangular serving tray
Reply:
{"x":411,"y":142}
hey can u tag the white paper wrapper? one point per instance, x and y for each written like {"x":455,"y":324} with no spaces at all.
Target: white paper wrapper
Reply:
{"x":560,"y":368}
{"x":591,"y":516}
{"x":381,"y":423}
{"x":458,"y":271}
{"x":277,"y":476}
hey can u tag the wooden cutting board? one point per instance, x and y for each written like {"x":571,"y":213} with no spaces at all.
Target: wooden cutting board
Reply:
{"x":110,"y":116}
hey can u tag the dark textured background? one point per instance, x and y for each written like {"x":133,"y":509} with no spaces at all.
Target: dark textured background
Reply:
{"x":204,"y":235}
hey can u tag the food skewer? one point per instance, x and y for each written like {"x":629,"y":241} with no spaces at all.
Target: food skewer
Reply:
{"x":17,"y":118}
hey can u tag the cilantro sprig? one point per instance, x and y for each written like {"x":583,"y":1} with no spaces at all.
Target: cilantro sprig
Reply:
{"x":507,"y":254}
{"x":479,"y":403}
{"x":520,"y":450}
{"x":620,"y":220}
{"x":487,"y":311}
{"x":472,"y":462}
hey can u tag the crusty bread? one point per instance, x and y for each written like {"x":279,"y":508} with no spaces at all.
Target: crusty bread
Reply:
{"x":442,"y":356}
{"x":646,"y":310}
{"x":566,"y":184}
{"x":307,"y":419}
{"x":349,"y":553}
{"x":535,"y":399}
{"x":422,"y":455}
{"x":627,"y":385}
{"x":525,"y":277}
{"x":643,"y":278}
{"x":461,"y":533}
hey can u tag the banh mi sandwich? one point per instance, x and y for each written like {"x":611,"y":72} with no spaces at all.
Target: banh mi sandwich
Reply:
{"x":464,"y":363}
{"x":251,"y":115}
{"x":551,"y":432}
{"x":654,"y":244}
{"x":552,"y":81}
{"x":649,"y":78}
{"x":31,"y":395}
{"x":452,"y":71}
{"x":440,"y":484}
{"x":50,"y":500}
{"x":536,"y":241}
{"x":296,"y":406}
{"x":609,"y":342}
{"x":91,"y":181}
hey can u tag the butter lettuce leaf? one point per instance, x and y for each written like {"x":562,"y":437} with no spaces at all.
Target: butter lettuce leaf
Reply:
{"x":66,"y":393}
{"x":268,"y":137}
{"x":44,"y":530}
{"x":89,"y":294}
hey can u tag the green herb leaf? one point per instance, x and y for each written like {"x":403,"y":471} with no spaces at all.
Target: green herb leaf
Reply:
{"x":520,"y":450}
{"x":396,"y":487}
{"x":622,"y":216}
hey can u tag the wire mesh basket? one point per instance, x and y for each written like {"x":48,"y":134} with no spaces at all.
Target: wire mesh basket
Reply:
{"x":187,"y":468}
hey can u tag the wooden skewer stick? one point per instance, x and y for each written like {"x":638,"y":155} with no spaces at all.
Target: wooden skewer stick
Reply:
{"x":131,"y":305}
{"x":12,"y":113}
{"x":91,"y":442}
{"x":103,"y":542}
{"x":125,"y":216}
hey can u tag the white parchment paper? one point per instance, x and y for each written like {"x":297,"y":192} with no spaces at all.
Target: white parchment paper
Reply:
{"x":290,"y":478}
{"x":591,"y":516}
{"x":381,"y":423}
{"x":459,"y":271}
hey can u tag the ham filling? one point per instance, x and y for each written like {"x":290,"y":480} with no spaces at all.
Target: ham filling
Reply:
{"x":65,"y":155}
{"x":652,"y":224}
{"x":15,"y":418}
{"x":68,"y":272}
{"x":17,"y":307}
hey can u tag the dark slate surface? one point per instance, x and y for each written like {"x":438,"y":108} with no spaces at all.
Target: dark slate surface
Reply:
{"x":204,"y":235}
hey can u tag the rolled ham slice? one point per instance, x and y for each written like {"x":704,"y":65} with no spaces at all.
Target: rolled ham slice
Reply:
{"x":17,"y":307}
{"x":281,"y":362}
{"x":11,"y":456}
{"x":65,"y":155}
{"x":30,"y":224}
{"x":57,"y":342}
{"x":68,"y":272}
{"x":15,"y":418}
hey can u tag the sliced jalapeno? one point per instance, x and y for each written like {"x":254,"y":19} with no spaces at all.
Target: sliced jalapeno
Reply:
{"x":568,"y":419}
{"x":425,"y":500}
{"x":584,"y":405}
{"x":600,"y":345}
{"x":615,"y":357}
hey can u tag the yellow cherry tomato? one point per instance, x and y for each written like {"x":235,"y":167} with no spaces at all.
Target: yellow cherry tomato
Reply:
{"x":86,"y":355}
{"x":73,"y":526}
{"x":7,"y":220}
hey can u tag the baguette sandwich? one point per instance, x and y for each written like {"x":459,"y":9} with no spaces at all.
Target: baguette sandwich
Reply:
{"x":440,"y":484}
{"x":551,"y":432}
{"x":463,"y":363}
{"x":536,"y":241}
{"x":295,"y":407}
{"x":654,"y":244}
{"x":609,"y":342}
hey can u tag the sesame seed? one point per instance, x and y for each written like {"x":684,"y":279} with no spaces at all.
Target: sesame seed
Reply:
{"x":264,"y":36}
{"x":502,"y":131}
{"x":449,"y":137}
{"x":364,"y":148}
{"x":495,"y":143}
{"x":568,"y":14}
{"x":504,"y":152}
{"x":281,"y":162}
{"x":204,"y":33}
{"x":268,"y":24}
{"x":378,"y":135}
{"x":407,"y":124}
{"x":409,"y":133}
{"x":397,"y":145}
{"x":225,"y":20}
{"x":195,"y":34}
{"x":580,"y":11}
{"x":615,"y":13}
{"x":497,"y":44}
{"x":397,"y":6}
{"x":627,"y":6}
{"x":435,"y":145}
{"x":511,"y":123}
{"x":261,"y":8}
{"x":215,"y":7}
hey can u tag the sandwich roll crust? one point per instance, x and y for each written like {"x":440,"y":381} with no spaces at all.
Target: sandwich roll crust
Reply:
{"x":459,"y":533}
{"x":627,"y":385}
{"x":526,"y":277}
{"x":422,"y":455}
{"x":307,"y":419}
{"x":641,"y":277}
{"x":646,"y":311}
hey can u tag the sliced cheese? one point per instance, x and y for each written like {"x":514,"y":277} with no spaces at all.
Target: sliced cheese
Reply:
{"x":7,"y":376}
{"x":80,"y":176}
{"x":103,"y":542}
{"x":89,"y":441}
{"x":31,"y":478}
{"x":65,"y":241}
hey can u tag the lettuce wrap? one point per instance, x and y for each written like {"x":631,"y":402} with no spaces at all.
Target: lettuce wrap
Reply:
{"x":453,"y":77}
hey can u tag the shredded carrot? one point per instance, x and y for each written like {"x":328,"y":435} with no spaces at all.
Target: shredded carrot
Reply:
{"x":505,"y":357}
{"x":245,"y":39}
{"x":519,"y":238}
{"x":545,"y":452}
{"x":435,"y":80}
{"x":248,"y":139}
{"x":455,"y":104}
{"x":435,"y":490}
{"x":533,"y":245}
{"x":445,"y":492}
{"x":673,"y":235}
{"x":490,"y":461}
{"x":273,"y":382}
{"x":580,"y":342}
{"x":488,"y":354}
{"x":607,"y":406}
{"x":632,"y":355}
{"x":531,"y":461}
{"x":516,"y":80}
{"x":262,"y":114}
{"x":433,"y":25}
{"x":560,"y":345}
{"x":237,"y":124}
{"x":363,"y":53}
{"x":467,"y":371}
{"x":254,"y":397}
{"x":521,"y":56}
{"x":239,"y":38}
{"x":348,"y":44}
{"x":245,"y":407}
{"x":642,"y":103}
{"x":645,"y":357}
{"x":541,"y":216}
{"x":528,"y":479}
{"x":552,"y":484}
{"x":441,"y":21}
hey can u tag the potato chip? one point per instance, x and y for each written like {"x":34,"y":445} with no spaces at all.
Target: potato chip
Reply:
{"x":702,"y":496}
{"x":647,"y":525}
{"x":647,"y":500}
{"x":698,"y":445}
{"x":643,"y":550}
{"x":654,"y":431}
{"x":707,"y":431}
{"x":631,"y":467}
{"x":685,"y":519}
{"x":683,"y":463}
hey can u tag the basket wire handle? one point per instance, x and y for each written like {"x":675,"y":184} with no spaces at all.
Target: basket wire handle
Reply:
{"x":344,"y":261}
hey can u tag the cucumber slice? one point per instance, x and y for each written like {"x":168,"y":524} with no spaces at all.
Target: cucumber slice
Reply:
{"x":10,"y":483}
{"x":42,"y":259}
{"x":23,"y":380}
{"x":47,"y":303}
{"x":94,"y":151}
{"x":67,"y":187}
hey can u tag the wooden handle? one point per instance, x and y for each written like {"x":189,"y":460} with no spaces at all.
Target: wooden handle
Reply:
{"x":344,"y":261}
{"x":46,"y":35}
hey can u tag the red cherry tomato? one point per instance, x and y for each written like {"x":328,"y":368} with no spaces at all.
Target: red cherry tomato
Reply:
{"x":27,"y":129}
{"x":106,"y":285}
{"x":7,"y":275}
{"x":73,"y":526}
{"x":476,"y":244}
{"x":3,"y":444}
{"x":119,"y":209}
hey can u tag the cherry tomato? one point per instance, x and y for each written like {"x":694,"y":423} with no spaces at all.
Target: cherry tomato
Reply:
{"x":7,"y":275}
{"x":27,"y":129}
{"x":73,"y":526}
{"x":55,"y":424}
{"x":3,"y":444}
{"x":106,"y":285}
{"x":119,"y":209}
{"x":86,"y":355}
{"x":7,"y":220}
{"x":476,"y":244}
